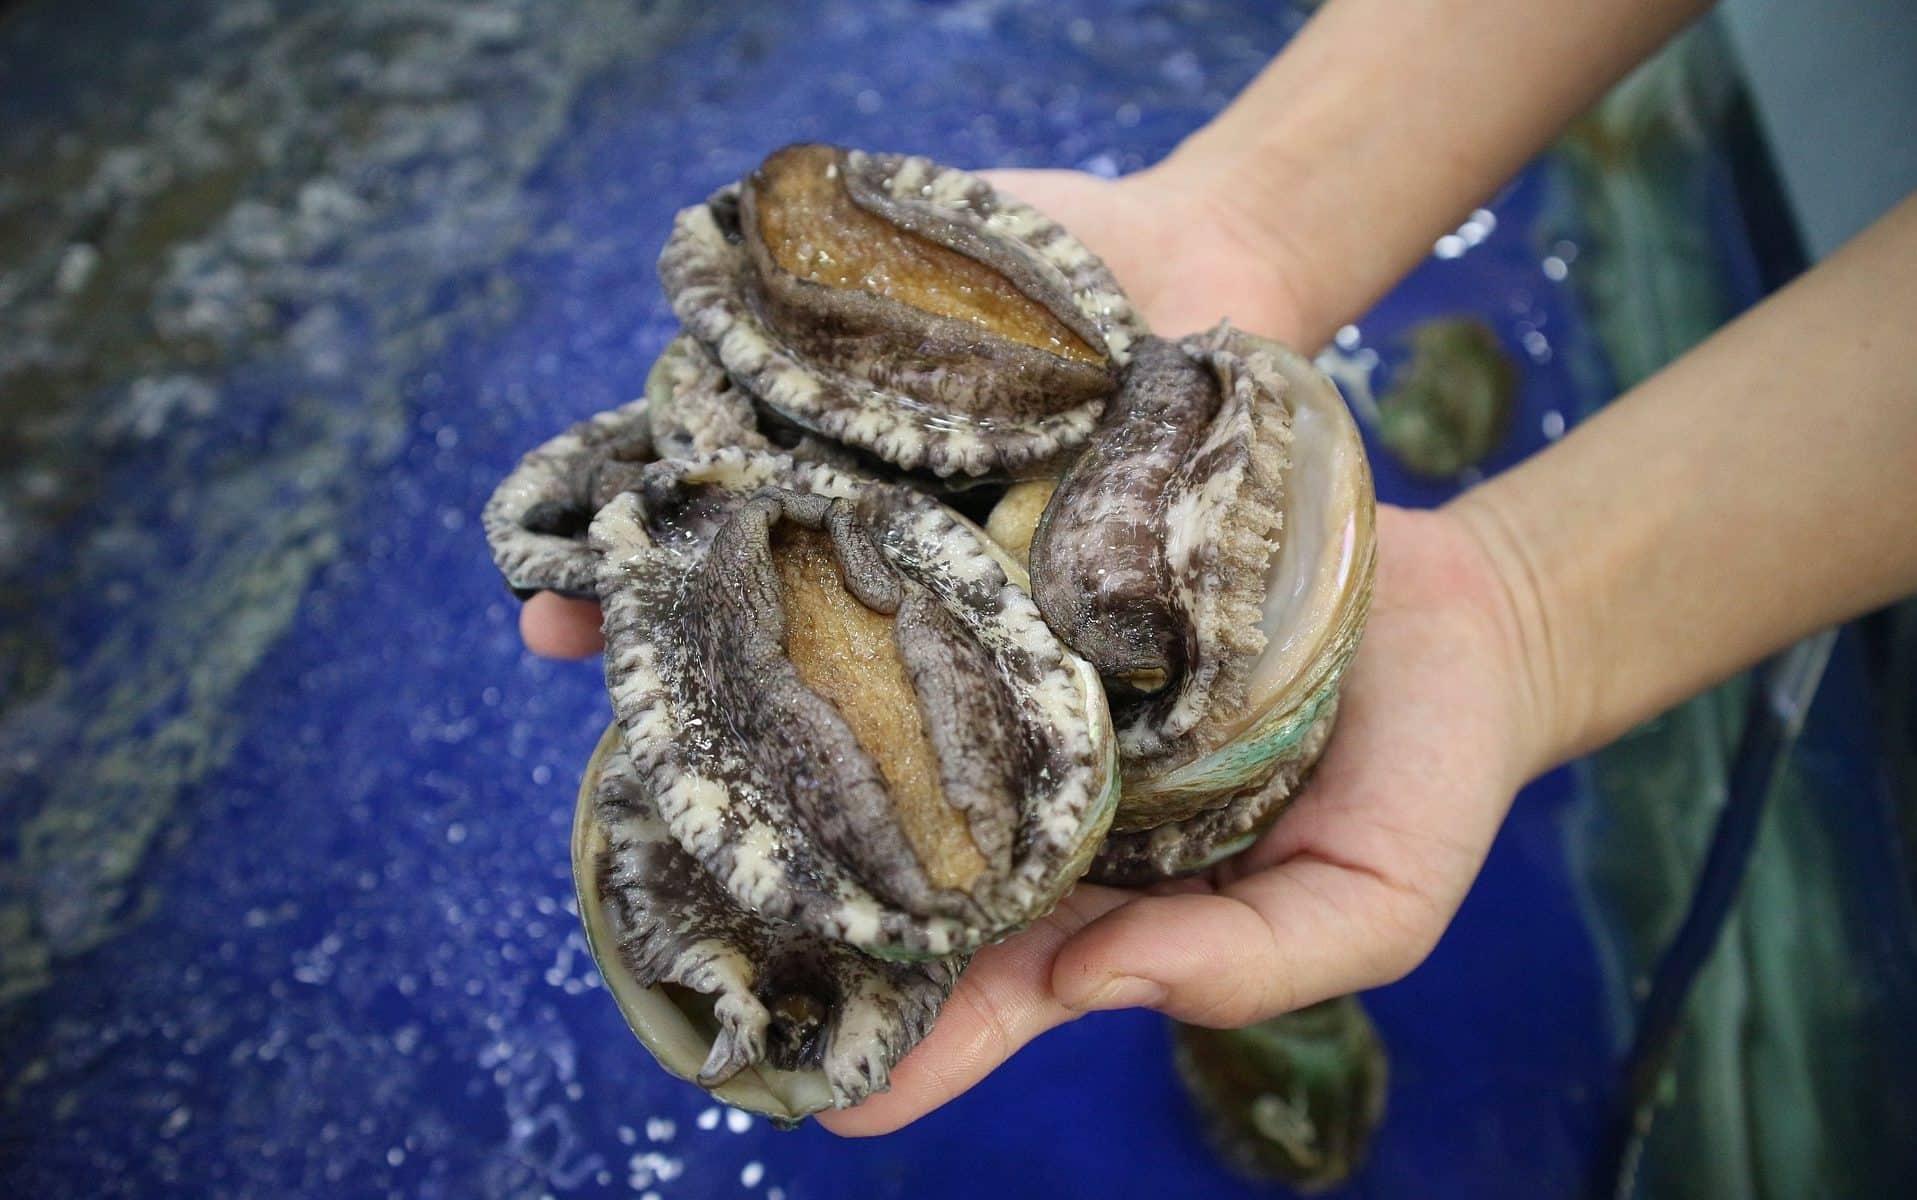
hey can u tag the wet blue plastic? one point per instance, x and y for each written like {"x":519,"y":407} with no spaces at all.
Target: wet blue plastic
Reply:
{"x":349,"y":964}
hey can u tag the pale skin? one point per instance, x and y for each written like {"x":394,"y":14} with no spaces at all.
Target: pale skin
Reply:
{"x":1757,"y":490}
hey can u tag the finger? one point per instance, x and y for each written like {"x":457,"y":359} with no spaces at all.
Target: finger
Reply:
{"x":1301,"y":932}
{"x":1003,"y":1000}
{"x":559,"y":626}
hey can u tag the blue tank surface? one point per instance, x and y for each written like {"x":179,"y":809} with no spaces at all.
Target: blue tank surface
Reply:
{"x":285,"y":905}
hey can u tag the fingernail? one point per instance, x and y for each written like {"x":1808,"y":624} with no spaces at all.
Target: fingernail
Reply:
{"x":1125,"y":991}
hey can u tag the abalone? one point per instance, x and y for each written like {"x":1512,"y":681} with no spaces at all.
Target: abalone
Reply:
{"x":1212,"y":834}
{"x":856,"y":735}
{"x":1450,"y":405}
{"x":694,"y":407}
{"x":1211,"y":554}
{"x":1295,"y":1099}
{"x":763,"y":1015}
{"x":845,"y":705}
{"x":903,"y":308}
{"x":536,"y":519}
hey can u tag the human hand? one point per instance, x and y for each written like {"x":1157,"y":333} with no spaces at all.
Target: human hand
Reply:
{"x":1440,"y":723}
{"x":556,"y":626}
{"x":1354,"y":885}
{"x":1186,"y":252}
{"x":1349,"y":890}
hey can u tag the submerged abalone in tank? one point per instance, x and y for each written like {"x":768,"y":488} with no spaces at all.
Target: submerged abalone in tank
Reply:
{"x":1450,"y":405}
{"x":857,"y":735}
{"x":1294,"y":1099}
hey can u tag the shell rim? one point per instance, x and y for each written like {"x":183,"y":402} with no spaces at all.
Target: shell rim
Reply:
{"x":1264,"y":741}
{"x":838,"y":406}
{"x":650,"y":1013}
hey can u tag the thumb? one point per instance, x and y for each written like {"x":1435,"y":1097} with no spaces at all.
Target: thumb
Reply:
{"x":556,"y":626}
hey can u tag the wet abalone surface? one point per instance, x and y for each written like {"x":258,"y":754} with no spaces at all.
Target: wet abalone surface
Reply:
{"x":904,"y":308}
{"x":857,"y":730}
{"x":844,"y":705}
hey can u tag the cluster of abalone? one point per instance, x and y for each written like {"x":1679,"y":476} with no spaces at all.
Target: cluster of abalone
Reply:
{"x":932,"y":582}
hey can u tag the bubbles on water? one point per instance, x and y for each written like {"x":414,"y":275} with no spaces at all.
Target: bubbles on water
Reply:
{"x":650,"y":1166}
{"x":1476,"y":228}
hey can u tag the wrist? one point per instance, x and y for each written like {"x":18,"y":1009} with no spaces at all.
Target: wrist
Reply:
{"x":1539,"y":662}
{"x":1224,"y":225}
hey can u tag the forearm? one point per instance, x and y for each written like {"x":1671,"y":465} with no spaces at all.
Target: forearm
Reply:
{"x":1385,"y":121}
{"x":1758,"y":489}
